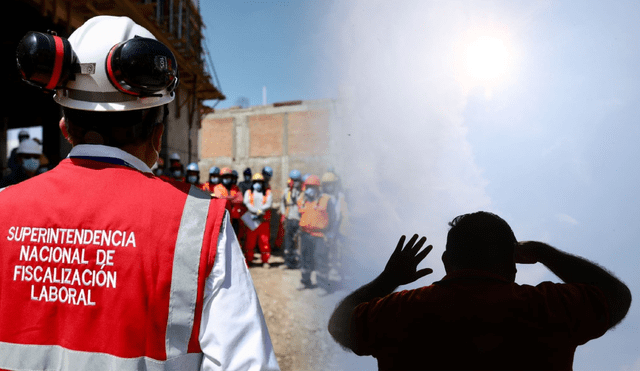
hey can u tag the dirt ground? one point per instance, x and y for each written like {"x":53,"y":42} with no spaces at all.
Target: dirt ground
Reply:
{"x":297,"y":320}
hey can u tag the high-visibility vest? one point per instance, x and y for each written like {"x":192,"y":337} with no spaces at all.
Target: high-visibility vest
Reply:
{"x":267,"y":213}
{"x":235,"y":205}
{"x":105,"y":271}
{"x":314,"y":216}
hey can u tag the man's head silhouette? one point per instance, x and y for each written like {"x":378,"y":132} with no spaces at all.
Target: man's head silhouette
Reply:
{"x":483,"y":241}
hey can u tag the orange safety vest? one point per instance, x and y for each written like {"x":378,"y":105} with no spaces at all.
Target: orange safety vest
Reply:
{"x":314,"y":216}
{"x":235,"y":205}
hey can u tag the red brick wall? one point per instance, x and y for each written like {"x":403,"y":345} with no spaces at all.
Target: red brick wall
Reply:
{"x":308,"y":133}
{"x":217,"y":138}
{"x":266,"y":135}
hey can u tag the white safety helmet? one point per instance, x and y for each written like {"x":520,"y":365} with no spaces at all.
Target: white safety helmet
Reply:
{"x":193,"y":167}
{"x":119,"y":68}
{"x":174,"y":156}
{"x":30,"y":147}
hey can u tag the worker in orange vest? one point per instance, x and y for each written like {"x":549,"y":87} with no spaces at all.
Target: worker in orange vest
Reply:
{"x":258,"y":201}
{"x":228,"y":190}
{"x":316,"y":222}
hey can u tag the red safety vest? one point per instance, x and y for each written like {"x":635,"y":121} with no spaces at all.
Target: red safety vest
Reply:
{"x":106,"y":276}
{"x":314,"y":217}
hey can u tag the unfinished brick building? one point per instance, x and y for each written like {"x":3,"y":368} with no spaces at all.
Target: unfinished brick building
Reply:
{"x":284,"y":136}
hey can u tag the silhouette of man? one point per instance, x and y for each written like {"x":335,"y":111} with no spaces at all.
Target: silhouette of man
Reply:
{"x":477,"y":317}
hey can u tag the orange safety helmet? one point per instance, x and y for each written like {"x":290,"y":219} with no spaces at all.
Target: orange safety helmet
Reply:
{"x":312,"y":180}
{"x":225,"y":171}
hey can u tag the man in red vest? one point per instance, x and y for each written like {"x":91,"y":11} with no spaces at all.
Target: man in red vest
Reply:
{"x":96,"y":274}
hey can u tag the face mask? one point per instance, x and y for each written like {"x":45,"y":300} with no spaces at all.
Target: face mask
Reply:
{"x":297,"y":184}
{"x":310,"y":193}
{"x":257,"y":187}
{"x":177,"y":173}
{"x":247,"y":178}
{"x":214,"y":179}
{"x":42,"y":169}
{"x":328,"y":189}
{"x":226,"y":181}
{"x":31,"y":164}
{"x":159,"y":172}
{"x":193,"y":179}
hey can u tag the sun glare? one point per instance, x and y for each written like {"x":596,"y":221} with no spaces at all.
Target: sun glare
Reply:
{"x":486,"y":58}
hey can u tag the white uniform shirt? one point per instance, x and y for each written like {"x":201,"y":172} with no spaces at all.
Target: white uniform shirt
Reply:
{"x":233,"y":332}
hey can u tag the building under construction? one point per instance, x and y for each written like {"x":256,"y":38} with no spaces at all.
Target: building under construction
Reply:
{"x":176,"y":23}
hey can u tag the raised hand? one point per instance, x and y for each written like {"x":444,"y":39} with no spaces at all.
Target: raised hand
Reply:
{"x":526,"y":252}
{"x":401,"y":269}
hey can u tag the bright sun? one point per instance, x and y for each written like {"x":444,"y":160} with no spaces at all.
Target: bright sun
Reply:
{"x":485,"y":59}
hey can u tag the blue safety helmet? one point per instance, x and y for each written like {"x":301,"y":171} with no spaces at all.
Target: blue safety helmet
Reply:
{"x":193,"y":167}
{"x":214,"y":170}
{"x":267,"y":171}
{"x":295,"y":175}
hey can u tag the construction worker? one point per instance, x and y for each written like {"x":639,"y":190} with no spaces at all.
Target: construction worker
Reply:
{"x":193,"y":175}
{"x":258,"y":201}
{"x":246,"y":183}
{"x":214,"y":179}
{"x":330,"y":187}
{"x":267,"y":173}
{"x":291,"y":219}
{"x":316,"y":219}
{"x":12,"y":163}
{"x":28,"y":156}
{"x":229,"y":191}
{"x":176,"y":169}
{"x":97,"y":274}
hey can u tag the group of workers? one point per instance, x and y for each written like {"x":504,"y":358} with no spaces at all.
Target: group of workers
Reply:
{"x":311,"y":212}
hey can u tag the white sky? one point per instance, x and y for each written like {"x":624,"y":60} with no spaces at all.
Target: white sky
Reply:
{"x":551,"y":146}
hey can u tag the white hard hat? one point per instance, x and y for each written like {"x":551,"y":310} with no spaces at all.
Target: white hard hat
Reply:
{"x":103,"y":56}
{"x":174,"y":156}
{"x":29,"y":146}
{"x":193,"y":167}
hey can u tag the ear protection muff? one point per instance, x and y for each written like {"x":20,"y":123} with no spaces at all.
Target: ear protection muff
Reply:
{"x":139,"y":66}
{"x":45,"y":60}
{"x":142,"y":67}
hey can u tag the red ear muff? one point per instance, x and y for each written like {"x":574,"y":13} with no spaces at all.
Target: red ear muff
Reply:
{"x":142,"y":67}
{"x":45,"y":60}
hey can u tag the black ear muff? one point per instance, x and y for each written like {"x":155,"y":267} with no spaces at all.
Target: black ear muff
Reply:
{"x":45,"y":60}
{"x":142,"y":67}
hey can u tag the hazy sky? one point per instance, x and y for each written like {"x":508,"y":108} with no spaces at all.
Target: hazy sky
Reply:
{"x":548,"y":139}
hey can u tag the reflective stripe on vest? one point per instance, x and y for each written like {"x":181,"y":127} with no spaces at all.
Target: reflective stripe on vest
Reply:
{"x":184,"y":279}
{"x":182,"y":302}
{"x":54,"y":357}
